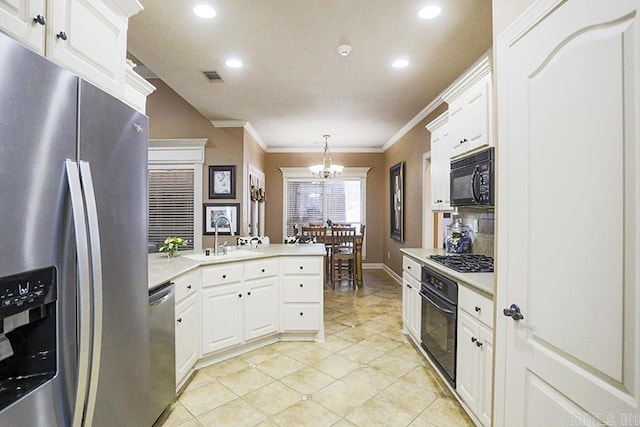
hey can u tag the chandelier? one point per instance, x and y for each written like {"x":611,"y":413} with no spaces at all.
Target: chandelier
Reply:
{"x":327,"y":169}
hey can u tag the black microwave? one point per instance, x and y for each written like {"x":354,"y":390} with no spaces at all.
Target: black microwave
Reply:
{"x":472,"y":180}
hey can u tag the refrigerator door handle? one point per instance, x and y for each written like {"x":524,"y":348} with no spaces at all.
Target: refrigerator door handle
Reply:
{"x":84,"y":294}
{"x":96,"y":272}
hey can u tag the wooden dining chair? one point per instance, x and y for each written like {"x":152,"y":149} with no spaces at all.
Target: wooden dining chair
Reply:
{"x":296,"y":230}
{"x":316,"y":224}
{"x":343,"y":255}
{"x":341,"y":224}
{"x":319,"y":233}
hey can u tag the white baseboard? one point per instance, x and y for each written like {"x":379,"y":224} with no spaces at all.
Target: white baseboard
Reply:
{"x":392,"y":273}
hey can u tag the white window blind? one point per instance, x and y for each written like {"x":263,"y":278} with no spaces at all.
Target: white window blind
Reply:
{"x":171,"y":199}
{"x":318,"y":201}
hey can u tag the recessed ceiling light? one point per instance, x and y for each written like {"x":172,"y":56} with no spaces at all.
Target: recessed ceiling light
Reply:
{"x":400,"y":63}
{"x":429,"y":12}
{"x":234,"y":63}
{"x":204,"y":11}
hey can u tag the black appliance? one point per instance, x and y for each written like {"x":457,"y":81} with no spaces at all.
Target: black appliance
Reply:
{"x":472,"y":180}
{"x":467,"y":263}
{"x":439,"y":321}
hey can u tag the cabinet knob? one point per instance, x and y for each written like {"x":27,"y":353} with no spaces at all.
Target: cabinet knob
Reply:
{"x":478,"y":343}
{"x":301,"y":314}
{"x":179,"y":320}
{"x":62,"y":35}
{"x":188,"y":286}
{"x":408,"y":267}
{"x":474,"y":339}
{"x":263,"y":270}
{"x":478,"y":309}
{"x":301,"y":285}
{"x":239,"y":295}
{"x":224,"y":276}
{"x":301,"y":268}
{"x":40,"y":20}
{"x":248,"y":293}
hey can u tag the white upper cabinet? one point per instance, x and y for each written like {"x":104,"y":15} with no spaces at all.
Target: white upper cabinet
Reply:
{"x":24,"y":20}
{"x":440,"y":163}
{"x":470,"y":110}
{"x":88,"y":37}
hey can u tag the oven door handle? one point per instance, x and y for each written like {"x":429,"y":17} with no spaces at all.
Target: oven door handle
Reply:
{"x":436,"y":305}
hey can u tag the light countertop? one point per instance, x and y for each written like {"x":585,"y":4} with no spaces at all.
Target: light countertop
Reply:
{"x":163,"y":269}
{"x":482,"y":282}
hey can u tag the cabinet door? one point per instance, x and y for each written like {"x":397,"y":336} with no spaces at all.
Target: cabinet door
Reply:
{"x":467,"y":360}
{"x":187,"y":336}
{"x":457,"y":126}
{"x":485,"y":382}
{"x":406,"y":303}
{"x":17,"y":20}
{"x":261,"y":307}
{"x":436,"y":169}
{"x":477,"y":114}
{"x":95,"y":45}
{"x":222,"y":316}
{"x":416,"y":310}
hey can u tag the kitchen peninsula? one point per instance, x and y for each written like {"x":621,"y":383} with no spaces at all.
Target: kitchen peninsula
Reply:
{"x":228,"y":304}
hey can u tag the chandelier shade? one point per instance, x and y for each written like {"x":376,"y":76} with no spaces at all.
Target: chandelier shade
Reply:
{"x":327,"y":169}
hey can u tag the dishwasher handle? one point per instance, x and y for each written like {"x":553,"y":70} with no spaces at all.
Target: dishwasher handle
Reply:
{"x":159,"y":296}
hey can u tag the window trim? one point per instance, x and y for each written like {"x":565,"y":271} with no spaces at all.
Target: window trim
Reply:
{"x":183,"y":154}
{"x":303,"y":174}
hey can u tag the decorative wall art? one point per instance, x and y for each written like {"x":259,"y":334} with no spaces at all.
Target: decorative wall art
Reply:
{"x":396,"y":201}
{"x":213,"y":210}
{"x":222,"y":182}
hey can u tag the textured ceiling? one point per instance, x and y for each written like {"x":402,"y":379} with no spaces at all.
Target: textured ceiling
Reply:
{"x":294,"y":86}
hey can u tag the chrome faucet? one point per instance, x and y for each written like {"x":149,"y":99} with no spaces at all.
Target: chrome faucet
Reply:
{"x":215,"y":239}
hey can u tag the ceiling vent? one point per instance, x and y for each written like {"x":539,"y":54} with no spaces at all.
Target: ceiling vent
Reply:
{"x":212,"y":76}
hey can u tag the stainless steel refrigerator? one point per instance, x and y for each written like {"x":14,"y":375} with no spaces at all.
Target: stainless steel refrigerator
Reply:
{"x":74,"y":344}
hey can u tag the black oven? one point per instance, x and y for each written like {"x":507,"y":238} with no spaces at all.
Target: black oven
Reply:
{"x":439,"y":321}
{"x":472,"y":180}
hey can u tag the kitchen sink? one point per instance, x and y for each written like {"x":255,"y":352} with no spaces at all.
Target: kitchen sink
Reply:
{"x":231,"y":254}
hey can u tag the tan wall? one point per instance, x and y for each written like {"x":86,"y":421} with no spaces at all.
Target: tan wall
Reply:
{"x":409,"y":149}
{"x":375,"y":195}
{"x":170,"y":116}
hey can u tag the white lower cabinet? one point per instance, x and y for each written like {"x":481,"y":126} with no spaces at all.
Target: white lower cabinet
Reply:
{"x":302,"y":280}
{"x":187,"y":336}
{"x":475,"y":354}
{"x":261,"y":307}
{"x":187,"y":327}
{"x":411,"y":299}
{"x":239,"y":303}
{"x":222,"y":316}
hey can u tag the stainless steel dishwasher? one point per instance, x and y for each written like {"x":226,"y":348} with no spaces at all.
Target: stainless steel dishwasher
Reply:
{"x":163,"y":354}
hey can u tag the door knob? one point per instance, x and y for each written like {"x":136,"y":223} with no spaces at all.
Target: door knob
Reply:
{"x":513,"y":312}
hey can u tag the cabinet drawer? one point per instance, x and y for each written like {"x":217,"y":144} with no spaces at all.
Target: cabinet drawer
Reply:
{"x":227,"y":273}
{"x":260,"y":268}
{"x":412,"y":267}
{"x":301,"y":317}
{"x":302,"y":265}
{"x":187,"y":285}
{"x":477,"y":305}
{"x":302,"y":289}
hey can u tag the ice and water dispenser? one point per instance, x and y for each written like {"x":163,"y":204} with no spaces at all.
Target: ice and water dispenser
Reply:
{"x":28,"y":332}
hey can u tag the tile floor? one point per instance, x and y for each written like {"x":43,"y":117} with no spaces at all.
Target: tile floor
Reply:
{"x":366,"y":373}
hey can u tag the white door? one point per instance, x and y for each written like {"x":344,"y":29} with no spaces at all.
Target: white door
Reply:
{"x":25,"y":20}
{"x":261,"y":313}
{"x":568,"y":207}
{"x":222,"y":316}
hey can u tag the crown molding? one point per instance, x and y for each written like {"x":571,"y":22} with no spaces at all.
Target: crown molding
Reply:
{"x":241,"y":124}
{"x":438,"y":121}
{"x":321,"y":150}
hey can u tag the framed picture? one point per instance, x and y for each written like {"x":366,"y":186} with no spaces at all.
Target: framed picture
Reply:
{"x":214,"y":210}
{"x":396,"y":201}
{"x":222,"y":182}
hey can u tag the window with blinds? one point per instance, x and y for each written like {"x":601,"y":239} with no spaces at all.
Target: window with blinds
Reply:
{"x":171,"y":196}
{"x":318,"y":201}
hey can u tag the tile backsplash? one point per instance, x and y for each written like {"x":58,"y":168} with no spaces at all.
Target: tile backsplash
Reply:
{"x":483,"y":243}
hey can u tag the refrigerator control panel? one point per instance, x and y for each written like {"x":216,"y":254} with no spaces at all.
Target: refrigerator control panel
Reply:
{"x":25,"y":291}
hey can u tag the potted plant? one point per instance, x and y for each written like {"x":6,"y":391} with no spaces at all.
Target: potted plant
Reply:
{"x":171,"y":245}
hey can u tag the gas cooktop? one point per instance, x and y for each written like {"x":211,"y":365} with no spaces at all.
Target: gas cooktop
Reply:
{"x":466,"y":263}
